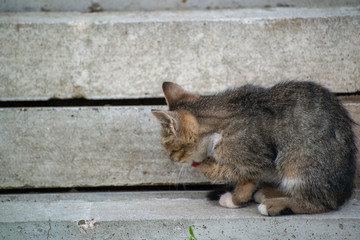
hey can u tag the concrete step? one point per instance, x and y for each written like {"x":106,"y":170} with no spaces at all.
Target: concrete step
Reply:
{"x":129,"y":54}
{"x":68,"y":147}
{"x":161,"y":215}
{"x":138,"y":5}
{"x":92,"y":146}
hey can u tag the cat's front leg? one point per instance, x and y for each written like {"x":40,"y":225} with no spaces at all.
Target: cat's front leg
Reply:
{"x":240,"y":196}
{"x":243,"y":190}
{"x":215,"y":171}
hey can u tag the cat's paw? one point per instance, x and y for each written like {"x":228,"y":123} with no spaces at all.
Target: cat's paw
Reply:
{"x":263,"y":209}
{"x":274,"y":207}
{"x":226,"y":200}
{"x":206,"y":164}
{"x":215,"y":195}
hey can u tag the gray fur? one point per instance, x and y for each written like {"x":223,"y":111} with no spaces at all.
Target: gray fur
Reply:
{"x":292,"y":125}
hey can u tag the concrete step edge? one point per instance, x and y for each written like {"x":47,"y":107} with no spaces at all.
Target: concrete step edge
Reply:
{"x":136,"y":5}
{"x":230,"y":15}
{"x":161,"y":215}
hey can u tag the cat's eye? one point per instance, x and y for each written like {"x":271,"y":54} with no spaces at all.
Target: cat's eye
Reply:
{"x":167,"y":143}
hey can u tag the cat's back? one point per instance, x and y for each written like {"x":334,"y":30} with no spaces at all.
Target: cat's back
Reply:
{"x":308,"y":108}
{"x":282,"y":99}
{"x":299,"y":105}
{"x":292,"y":110}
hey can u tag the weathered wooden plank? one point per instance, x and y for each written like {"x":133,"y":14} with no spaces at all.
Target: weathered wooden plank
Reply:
{"x":104,"y":146}
{"x":129,"y":54}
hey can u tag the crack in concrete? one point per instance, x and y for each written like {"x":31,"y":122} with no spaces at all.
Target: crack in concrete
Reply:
{"x":48,"y":232}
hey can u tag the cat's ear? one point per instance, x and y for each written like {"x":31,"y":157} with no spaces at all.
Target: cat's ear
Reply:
{"x":174,"y":93}
{"x":170,"y":120}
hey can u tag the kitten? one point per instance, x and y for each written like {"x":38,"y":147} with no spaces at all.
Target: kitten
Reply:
{"x":295,"y":136}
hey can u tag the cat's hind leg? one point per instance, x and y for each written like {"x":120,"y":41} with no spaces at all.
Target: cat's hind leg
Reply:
{"x":273,"y":203}
{"x":268,"y":193}
{"x":288,"y":205}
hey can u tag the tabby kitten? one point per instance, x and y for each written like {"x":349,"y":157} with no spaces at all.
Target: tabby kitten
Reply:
{"x":295,"y":136}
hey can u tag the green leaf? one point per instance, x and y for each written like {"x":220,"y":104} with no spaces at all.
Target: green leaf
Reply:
{"x":192,"y":236}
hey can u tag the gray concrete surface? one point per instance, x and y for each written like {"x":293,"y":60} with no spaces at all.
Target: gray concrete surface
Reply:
{"x":353,"y":106}
{"x":146,"y":5}
{"x":129,"y":54}
{"x":161,"y":215}
{"x":90,"y":146}
{"x":64,"y":147}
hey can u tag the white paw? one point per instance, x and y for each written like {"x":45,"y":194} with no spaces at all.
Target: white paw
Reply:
{"x":259,"y":196}
{"x":263,"y":210}
{"x":226,"y":201}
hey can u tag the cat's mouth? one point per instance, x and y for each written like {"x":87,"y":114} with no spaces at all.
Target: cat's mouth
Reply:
{"x":195,"y":164}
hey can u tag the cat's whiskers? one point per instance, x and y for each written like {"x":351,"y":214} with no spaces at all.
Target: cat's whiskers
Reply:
{"x":181,"y":172}
{"x":174,"y":175}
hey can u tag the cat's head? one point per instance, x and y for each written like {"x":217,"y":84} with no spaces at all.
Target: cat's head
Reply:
{"x":180,"y":129}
